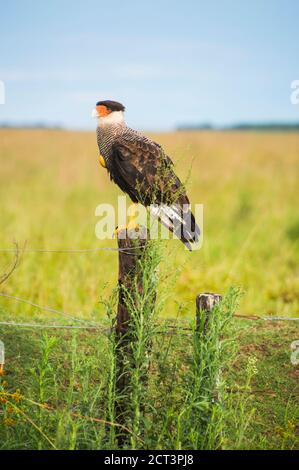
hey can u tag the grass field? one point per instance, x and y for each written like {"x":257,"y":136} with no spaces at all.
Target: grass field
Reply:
{"x":50,"y":186}
{"x":56,"y":382}
{"x":51,"y":183}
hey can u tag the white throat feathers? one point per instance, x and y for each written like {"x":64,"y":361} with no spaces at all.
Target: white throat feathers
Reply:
{"x":116,"y":117}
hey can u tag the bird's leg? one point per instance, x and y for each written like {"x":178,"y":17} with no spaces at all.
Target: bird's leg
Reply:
{"x":102,"y":161}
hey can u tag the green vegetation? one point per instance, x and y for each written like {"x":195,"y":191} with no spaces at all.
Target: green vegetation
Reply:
{"x":56,"y":391}
{"x":51,"y":183}
{"x":236,"y":388}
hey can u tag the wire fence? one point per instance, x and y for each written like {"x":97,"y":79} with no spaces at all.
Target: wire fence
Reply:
{"x":86,"y":324}
{"x":41,"y":325}
{"x":98,"y":327}
{"x":127,"y":250}
{"x":51,"y":310}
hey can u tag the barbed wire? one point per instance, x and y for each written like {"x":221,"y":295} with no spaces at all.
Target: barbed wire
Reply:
{"x":91,"y":325}
{"x":127,"y":250}
{"x":41,"y":325}
{"x":88,"y":324}
{"x":103,"y":330}
{"x":279,"y":318}
{"x":51,"y":310}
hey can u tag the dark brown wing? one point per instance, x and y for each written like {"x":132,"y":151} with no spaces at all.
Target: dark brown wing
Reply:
{"x":141,"y":169}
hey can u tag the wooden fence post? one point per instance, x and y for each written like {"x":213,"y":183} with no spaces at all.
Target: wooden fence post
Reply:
{"x":204,"y":306}
{"x":131,"y":250}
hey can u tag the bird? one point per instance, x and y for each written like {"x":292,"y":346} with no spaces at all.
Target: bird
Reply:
{"x":142,"y":170}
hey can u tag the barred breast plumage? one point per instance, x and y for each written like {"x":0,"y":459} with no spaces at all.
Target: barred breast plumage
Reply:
{"x":108,"y":135}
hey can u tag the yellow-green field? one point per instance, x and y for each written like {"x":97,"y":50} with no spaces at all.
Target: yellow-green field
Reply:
{"x":51,"y":183}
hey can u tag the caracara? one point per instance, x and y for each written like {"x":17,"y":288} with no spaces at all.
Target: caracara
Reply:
{"x":141,"y":169}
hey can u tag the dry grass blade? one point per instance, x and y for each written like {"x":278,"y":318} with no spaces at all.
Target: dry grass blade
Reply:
{"x":49,"y":408}
{"x":14,"y":265}
{"x":21,"y":412}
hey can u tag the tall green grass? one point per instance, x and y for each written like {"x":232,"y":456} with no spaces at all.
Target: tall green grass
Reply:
{"x":173,"y":381}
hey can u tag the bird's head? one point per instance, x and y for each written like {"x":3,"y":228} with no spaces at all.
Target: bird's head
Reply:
{"x":109,"y":112}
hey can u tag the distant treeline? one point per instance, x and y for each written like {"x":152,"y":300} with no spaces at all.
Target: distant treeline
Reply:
{"x":267,"y":126}
{"x":35,"y":125}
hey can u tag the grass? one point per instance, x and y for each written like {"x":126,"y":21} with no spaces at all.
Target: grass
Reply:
{"x":236,"y":390}
{"x":275,"y":386}
{"x":51,"y":183}
{"x":63,"y":380}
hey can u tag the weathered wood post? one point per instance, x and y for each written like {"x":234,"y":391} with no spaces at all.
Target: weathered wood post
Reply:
{"x":204,"y":307}
{"x":132,"y":247}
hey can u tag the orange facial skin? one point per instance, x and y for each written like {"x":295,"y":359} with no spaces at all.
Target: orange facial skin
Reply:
{"x":103,"y":110}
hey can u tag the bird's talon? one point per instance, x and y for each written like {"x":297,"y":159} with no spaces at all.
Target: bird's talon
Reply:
{"x":102,"y":161}
{"x":132,"y":225}
{"x":118,"y":229}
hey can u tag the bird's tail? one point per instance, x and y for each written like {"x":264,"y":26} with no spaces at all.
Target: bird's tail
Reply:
{"x":178,"y":220}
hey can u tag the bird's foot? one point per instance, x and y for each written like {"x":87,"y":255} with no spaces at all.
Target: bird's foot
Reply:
{"x":102,"y":161}
{"x":119,"y":229}
{"x":131,"y":225}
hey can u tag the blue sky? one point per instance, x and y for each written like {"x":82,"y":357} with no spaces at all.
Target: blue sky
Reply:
{"x":169,"y":62}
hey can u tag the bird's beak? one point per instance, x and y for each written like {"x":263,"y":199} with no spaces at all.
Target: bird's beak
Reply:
{"x":94,"y":113}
